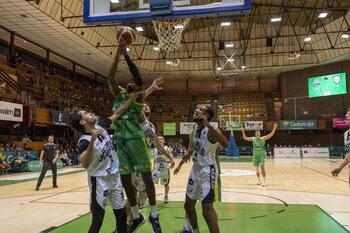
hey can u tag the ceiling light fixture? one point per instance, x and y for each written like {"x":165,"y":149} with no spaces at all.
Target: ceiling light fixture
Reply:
{"x":156,"y":48}
{"x":225,"y":24}
{"x":179,"y":26}
{"x":229,"y":45}
{"x":114,"y":1}
{"x":276,"y":19}
{"x":345,"y":36}
{"x":323,"y":15}
{"x":139,"y":29}
{"x":307,"y":39}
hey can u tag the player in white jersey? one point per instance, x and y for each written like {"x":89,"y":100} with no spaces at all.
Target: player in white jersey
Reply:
{"x":99,"y":158}
{"x":346,"y":160}
{"x":204,"y":140}
{"x":161,"y":168}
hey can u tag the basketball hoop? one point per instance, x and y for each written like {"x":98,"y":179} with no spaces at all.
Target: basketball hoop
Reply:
{"x":169,"y":32}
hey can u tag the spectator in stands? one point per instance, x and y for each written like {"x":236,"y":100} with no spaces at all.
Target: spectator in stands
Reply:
{"x":7,"y":147}
{"x":64,"y":157}
{"x":26,"y":148}
{"x":13,"y":147}
{"x":19,"y":160}
{"x":3,"y":165}
{"x":26,"y":139}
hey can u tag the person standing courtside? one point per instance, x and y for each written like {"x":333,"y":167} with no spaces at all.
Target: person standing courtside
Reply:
{"x":48,"y":158}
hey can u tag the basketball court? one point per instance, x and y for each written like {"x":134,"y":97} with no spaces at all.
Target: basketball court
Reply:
{"x":257,"y":62}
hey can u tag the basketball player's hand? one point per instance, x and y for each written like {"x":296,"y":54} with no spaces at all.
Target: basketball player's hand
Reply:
{"x":275,"y":126}
{"x":54,"y":161}
{"x":243,"y":129}
{"x":336,"y":171}
{"x":95,"y":133}
{"x":158,"y":84}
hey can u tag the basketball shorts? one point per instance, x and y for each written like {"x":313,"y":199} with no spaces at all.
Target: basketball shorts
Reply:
{"x":258,"y":159}
{"x":133,"y":156}
{"x":201,"y":184}
{"x":162,"y":175}
{"x":106,"y":190}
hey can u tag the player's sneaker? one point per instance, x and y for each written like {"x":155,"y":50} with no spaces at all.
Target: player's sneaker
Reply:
{"x":185,"y":231}
{"x":166,"y":200}
{"x":263,"y":184}
{"x":258,"y":183}
{"x":155,"y":224}
{"x":136,"y":224}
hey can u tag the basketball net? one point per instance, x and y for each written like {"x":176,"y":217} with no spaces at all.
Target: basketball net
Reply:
{"x":169,"y":32}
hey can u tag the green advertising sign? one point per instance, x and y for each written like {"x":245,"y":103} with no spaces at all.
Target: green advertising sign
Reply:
{"x":235,"y":125}
{"x":169,"y":129}
{"x":326,"y":85}
{"x":35,"y":166}
{"x":298,"y":124}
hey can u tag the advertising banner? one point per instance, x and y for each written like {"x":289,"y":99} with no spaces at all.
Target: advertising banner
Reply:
{"x":11,"y":111}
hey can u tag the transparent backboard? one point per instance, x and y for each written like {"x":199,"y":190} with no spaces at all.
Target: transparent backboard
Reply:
{"x":109,"y":11}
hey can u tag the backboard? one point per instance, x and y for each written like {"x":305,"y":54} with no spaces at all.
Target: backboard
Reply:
{"x":113,"y":11}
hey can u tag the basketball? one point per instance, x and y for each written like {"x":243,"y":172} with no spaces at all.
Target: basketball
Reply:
{"x":128,"y":34}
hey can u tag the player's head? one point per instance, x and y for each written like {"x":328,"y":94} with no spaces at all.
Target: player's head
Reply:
{"x":130,"y":88}
{"x":257,"y":133}
{"x":50,"y":138}
{"x":81,"y":119}
{"x":347,"y":116}
{"x":146,"y":109}
{"x":161,"y":140}
{"x":206,"y":110}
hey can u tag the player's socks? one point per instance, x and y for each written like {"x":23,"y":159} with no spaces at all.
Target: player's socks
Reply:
{"x":259,"y":181}
{"x":135,"y":212}
{"x":263,"y":182}
{"x":154,"y":213}
{"x":187,"y":225}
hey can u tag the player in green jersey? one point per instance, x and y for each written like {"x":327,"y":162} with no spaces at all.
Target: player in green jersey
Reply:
{"x":259,"y":151}
{"x":129,"y":139}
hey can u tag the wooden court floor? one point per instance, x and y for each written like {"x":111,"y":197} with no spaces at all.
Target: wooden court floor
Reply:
{"x":291,"y":181}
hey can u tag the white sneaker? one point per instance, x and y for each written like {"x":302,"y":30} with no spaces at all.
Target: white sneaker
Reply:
{"x":166,"y":200}
{"x":263,"y":184}
{"x":259,"y":182}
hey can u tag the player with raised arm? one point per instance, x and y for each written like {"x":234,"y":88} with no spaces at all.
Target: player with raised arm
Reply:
{"x":129,"y":138}
{"x":259,"y":152}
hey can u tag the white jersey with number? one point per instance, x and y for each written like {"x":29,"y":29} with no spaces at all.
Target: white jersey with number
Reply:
{"x":204,"y":151}
{"x":159,"y":159}
{"x":104,"y":159}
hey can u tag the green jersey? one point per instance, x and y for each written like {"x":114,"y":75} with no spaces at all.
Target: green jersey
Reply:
{"x":128,"y":126}
{"x":258,"y":145}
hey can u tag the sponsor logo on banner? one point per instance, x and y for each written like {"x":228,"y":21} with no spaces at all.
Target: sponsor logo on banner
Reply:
{"x":339,"y":123}
{"x":234,"y":125}
{"x":11,"y":111}
{"x":229,"y":108}
{"x":187,"y":127}
{"x":60,"y":118}
{"x":254,"y":125}
{"x":298,"y":124}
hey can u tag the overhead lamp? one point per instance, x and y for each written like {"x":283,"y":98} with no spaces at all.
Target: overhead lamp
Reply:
{"x":114,"y":1}
{"x":139,"y":29}
{"x":345,"y":36}
{"x":156,"y":48}
{"x":230,"y":59}
{"x":307,"y":39}
{"x":323,"y":15}
{"x":225,"y":24}
{"x":243,"y":66}
{"x":276,"y":19}
{"x":218,"y":68}
{"x":229,"y":45}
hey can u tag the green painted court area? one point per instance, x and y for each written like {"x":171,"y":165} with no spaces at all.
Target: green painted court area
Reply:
{"x":233,"y":218}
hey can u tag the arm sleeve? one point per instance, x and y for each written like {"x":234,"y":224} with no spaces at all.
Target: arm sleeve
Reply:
{"x":83,"y":145}
{"x":105,"y":123}
{"x":134,"y":71}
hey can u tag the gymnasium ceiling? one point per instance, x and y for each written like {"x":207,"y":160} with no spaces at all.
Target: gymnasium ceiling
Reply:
{"x":57,"y":25}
